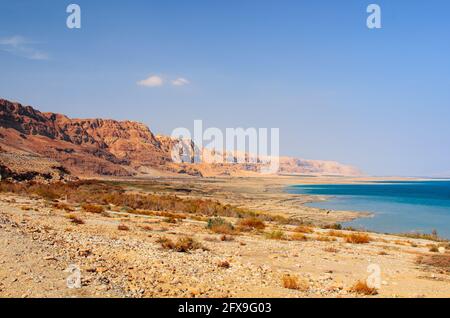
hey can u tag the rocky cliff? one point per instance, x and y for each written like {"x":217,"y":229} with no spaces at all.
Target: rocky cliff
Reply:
{"x":92,"y":147}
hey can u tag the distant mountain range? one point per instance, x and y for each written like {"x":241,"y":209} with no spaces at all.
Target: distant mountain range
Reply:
{"x":49,"y":146}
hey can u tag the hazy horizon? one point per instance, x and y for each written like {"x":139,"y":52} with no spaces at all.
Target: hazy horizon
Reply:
{"x":374,"y":99}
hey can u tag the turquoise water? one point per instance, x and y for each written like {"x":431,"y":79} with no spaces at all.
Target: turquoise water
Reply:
{"x":397,"y":207}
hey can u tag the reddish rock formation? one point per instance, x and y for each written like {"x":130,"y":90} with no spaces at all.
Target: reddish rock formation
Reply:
{"x":91,"y":147}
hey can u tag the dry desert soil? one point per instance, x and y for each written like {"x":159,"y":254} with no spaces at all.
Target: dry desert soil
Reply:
{"x":123,"y":254}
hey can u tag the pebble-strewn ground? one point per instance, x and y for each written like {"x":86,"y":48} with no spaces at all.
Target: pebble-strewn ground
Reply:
{"x":39,"y":243}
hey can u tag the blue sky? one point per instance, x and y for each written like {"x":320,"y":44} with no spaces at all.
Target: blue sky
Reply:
{"x":376,"y":99}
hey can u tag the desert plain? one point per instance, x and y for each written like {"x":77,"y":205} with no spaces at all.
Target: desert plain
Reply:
{"x":249,"y":238}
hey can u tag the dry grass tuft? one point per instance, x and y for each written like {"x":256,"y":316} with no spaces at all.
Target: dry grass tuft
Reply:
{"x":434,"y":249}
{"x":251,"y":223}
{"x":74,"y":219}
{"x":303,"y":229}
{"x":92,"y":208}
{"x":358,"y":238}
{"x":293,"y":282}
{"x":298,"y":237}
{"x":323,"y":238}
{"x":170,"y":220}
{"x":123,"y":227}
{"x":438,"y":261}
{"x":182,"y":245}
{"x":220,"y":226}
{"x":226,"y":238}
{"x":63,"y":206}
{"x":337,"y":234}
{"x":275,"y":235}
{"x":361,"y":288}
{"x":224,"y":264}
{"x":331,"y":250}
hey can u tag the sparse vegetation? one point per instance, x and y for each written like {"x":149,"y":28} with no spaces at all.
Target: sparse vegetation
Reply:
{"x":298,"y":237}
{"x":331,"y":250}
{"x":63,"y":206}
{"x":226,"y":238}
{"x":336,"y":233}
{"x":275,"y":235}
{"x":303,"y":229}
{"x":293,"y":282}
{"x":424,"y":236}
{"x":434,"y":249}
{"x":123,"y":227}
{"x":438,"y":261}
{"x":323,"y":238}
{"x":92,"y":208}
{"x":170,"y":220}
{"x":358,"y":238}
{"x":361,"y":288}
{"x":220,"y":226}
{"x":251,"y":223}
{"x":182,"y":245}
{"x":335,"y":226}
{"x":74,"y":219}
{"x":110,"y":193}
{"x":224,"y":264}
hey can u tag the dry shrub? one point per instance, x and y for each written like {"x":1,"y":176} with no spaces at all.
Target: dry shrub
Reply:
{"x":337,"y":233}
{"x":211,"y":239}
{"x":224,"y":264}
{"x":147,"y":228}
{"x":112,"y":193}
{"x":275,"y":235}
{"x":63,"y":206}
{"x":298,"y":237}
{"x":92,"y":208}
{"x":46,"y":192}
{"x":335,"y":226}
{"x":293,"y":282}
{"x":220,"y":226}
{"x":424,"y":236}
{"x":434,"y":249}
{"x":303,"y":229}
{"x":323,"y":238}
{"x":331,"y":250}
{"x":25,"y":208}
{"x":170,"y":220}
{"x":438,"y":261}
{"x":361,"y":288}
{"x":226,"y":238}
{"x":123,"y":227}
{"x":252,"y":223}
{"x":358,"y":238}
{"x":182,"y":245}
{"x":382,"y":253}
{"x":74,"y":219}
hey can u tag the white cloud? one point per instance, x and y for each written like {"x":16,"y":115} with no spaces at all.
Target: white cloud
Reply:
{"x":180,"y":82}
{"x":20,"y":46}
{"x":151,"y":81}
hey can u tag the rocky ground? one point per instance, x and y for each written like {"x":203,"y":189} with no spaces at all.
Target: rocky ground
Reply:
{"x":40,"y":247}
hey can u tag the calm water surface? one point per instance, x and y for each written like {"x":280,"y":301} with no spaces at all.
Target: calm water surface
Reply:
{"x":400,"y":206}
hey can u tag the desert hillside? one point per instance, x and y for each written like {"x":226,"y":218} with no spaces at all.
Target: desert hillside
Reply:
{"x":48,"y":145}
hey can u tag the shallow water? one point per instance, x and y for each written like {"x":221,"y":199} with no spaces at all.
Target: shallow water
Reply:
{"x":397,"y":207}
